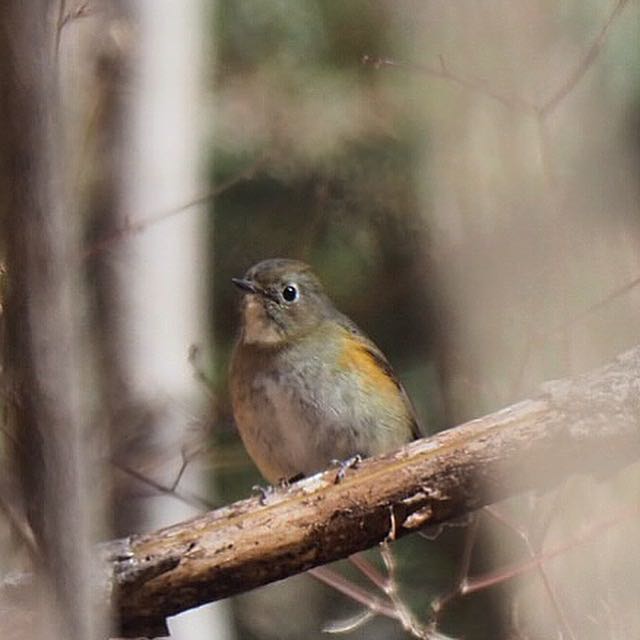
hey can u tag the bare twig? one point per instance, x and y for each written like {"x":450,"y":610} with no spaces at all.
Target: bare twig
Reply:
{"x":59,"y":26}
{"x":66,"y":17}
{"x":405,"y":617}
{"x":133,"y":228}
{"x":360,"y":562}
{"x":439,"y":604}
{"x":536,"y":336}
{"x":514,"y":102}
{"x":353,"y":591}
{"x":517,"y":569}
{"x":533,"y":553}
{"x":350,"y":624}
{"x":21,"y":528}
{"x":589,"y":311}
{"x":443,"y":72}
{"x":583,"y":65}
{"x":188,"y":498}
{"x":200,"y":374}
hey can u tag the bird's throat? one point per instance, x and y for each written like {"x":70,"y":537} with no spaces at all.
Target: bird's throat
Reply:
{"x":259,"y":328}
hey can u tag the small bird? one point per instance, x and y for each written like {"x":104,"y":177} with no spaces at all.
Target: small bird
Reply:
{"x":307,"y":386}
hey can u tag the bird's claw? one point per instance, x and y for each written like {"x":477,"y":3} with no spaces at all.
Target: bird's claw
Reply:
{"x":285,"y":483}
{"x":263,"y":493}
{"x":344,"y":466}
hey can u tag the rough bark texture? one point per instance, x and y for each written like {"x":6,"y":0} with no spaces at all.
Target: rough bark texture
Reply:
{"x":590,"y":424}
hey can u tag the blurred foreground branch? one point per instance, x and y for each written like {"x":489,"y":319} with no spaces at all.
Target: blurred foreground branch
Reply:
{"x":589,"y":424}
{"x":48,"y":417}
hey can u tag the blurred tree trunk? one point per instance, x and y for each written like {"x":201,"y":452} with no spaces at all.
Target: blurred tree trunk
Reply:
{"x":157,"y":284}
{"x":45,"y":349}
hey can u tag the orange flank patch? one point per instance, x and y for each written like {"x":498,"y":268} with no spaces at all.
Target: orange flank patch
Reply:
{"x":358,"y":356}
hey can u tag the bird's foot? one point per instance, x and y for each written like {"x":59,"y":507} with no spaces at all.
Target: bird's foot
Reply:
{"x":263,"y":493}
{"x":344,"y":466}
{"x":285,"y":483}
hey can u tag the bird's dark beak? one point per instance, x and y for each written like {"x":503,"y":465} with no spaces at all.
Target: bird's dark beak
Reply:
{"x":246,"y":285}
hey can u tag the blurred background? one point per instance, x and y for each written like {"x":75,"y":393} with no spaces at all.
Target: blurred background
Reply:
{"x":463,"y":177}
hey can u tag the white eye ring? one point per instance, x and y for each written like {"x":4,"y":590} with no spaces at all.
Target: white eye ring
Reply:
{"x":290,"y":293}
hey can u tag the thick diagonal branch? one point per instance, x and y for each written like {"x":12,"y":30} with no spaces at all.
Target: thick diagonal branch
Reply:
{"x":589,"y":424}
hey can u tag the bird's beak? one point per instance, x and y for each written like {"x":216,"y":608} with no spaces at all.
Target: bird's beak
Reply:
{"x":246,"y":285}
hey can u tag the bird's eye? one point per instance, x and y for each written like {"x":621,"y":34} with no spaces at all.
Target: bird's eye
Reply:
{"x":290,"y":293}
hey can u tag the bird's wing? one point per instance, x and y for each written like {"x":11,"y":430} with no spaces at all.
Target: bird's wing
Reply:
{"x":379,"y":359}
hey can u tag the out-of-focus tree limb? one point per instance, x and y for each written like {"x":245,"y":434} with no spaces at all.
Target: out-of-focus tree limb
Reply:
{"x":47,"y":407}
{"x":588,"y":424}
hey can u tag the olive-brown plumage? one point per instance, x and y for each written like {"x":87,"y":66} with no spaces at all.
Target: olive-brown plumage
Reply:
{"x":307,"y":386}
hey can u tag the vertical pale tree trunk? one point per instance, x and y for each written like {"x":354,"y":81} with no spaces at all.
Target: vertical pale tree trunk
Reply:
{"x":164,"y":294}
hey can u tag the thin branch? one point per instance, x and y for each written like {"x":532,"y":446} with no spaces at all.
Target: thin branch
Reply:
{"x":517,"y":569}
{"x":368,"y":570}
{"x":133,"y":228}
{"x":439,"y":604}
{"x":583,"y":65}
{"x":188,"y":498}
{"x":536,"y":336}
{"x":66,"y":17}
{"x":405,"y":617}
{"x":533,"y":553}
{"x":374,"y":605}
{"x":511,"y":101}
{"x":443,"y":72}
{"x":354,"y":591}
{"x":21,"y":529}
{"x":62,"y":8}
{"x":350,"y":624}
{"x":589,"y":311}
